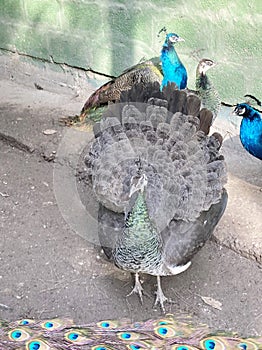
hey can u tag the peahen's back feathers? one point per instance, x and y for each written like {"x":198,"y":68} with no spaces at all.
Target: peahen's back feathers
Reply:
{"x":163,"y":137}
{"x":167,"y":132}
{"x":166,"y":333}
{"x":141,"y":73}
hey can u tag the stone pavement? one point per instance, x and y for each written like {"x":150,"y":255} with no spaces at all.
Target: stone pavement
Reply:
{"x":49,"y":265}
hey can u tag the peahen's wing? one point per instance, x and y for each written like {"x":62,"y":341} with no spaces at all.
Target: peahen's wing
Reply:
{"x":181,"y":239}
{"x":142,"y":73}
{"x":168,"y":135}
{"x":110,"y":226}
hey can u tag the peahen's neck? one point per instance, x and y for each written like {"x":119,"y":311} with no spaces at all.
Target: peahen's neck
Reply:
{"x":202,"y":80}
{"x":209,"y":96}
{"x":139,"y":246}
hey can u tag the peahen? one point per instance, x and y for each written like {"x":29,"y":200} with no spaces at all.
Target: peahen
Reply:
{"x":142,"y":73}
{"x":250,"y":129}
{"x":166,"y":333}
{"x":173,"y":69}
{"x":205,"y":89}
{"x":159,"y":180}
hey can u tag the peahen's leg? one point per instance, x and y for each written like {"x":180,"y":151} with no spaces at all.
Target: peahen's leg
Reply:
{"x":160,"y":297}
{"x":138,"y":289}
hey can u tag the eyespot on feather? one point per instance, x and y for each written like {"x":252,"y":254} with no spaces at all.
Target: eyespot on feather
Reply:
{"x":76,"y":337}
{"x":37,"y":344}
{"x":18,"y":334}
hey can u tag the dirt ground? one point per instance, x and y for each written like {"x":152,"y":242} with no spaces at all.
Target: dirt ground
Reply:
{"x":50,"y":265}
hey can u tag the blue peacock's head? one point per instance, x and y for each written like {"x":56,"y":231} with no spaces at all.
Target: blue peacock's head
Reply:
{"x":242,"y":109}
{"x":173,"y":38}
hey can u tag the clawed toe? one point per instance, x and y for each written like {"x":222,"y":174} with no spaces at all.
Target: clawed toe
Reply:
{"x":138,"y":289}
{"x":160,"y":297}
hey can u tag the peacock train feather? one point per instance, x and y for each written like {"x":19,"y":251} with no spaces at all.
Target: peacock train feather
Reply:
{"x":250,"y":129}
{"x":159,"y":179}
{"x":167,"y":333}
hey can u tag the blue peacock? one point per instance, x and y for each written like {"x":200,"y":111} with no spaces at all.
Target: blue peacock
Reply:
{"x":165,"y":333}
{"x":159,"y":179}
{"x":167,"y":68}
{"x":250,"y":129}
{"x":173,"y":69}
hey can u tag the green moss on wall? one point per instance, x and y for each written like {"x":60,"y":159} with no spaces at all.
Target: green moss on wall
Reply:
{"x":111,"y":35}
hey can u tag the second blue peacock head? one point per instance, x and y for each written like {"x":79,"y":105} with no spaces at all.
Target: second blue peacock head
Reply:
{"x":172,"y":38}
{"x":244,"y":110}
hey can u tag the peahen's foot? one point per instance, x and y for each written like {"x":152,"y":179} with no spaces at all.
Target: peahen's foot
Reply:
{"x":138,"y":289}
{"x":160,"y":296}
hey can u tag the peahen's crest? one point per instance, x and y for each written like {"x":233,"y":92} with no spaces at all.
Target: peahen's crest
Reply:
{"x":167,"y":333}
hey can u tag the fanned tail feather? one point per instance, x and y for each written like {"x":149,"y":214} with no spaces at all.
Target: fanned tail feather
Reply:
{"x":165,"y":333}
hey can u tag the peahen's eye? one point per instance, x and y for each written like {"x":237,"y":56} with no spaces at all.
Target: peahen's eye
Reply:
{"x":18,"y":334}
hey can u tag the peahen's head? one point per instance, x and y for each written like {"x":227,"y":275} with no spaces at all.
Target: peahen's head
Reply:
{"x":138,"y":183}
{"x":204,"y":65}
{"x":172,"y":38}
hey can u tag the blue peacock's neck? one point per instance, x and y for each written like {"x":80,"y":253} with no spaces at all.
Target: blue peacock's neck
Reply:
{"x":253,"y":114}
{"x":173,"y":69}
{"x":169,"y":52}
{"x":251,"y":134}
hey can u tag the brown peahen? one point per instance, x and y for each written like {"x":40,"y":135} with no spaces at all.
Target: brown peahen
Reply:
{"x":167,"y":333}
{"x":205,"y":89}
{"x":159,"y":179}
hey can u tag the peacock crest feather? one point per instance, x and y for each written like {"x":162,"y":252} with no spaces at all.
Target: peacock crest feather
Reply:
{"x":167,"y":333}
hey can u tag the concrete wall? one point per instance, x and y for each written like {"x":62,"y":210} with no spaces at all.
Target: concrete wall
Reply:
{"x":110,"y":35}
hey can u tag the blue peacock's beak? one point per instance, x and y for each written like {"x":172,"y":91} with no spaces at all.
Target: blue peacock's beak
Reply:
{"x":180,"y":39}
{"x":238,"y":111}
